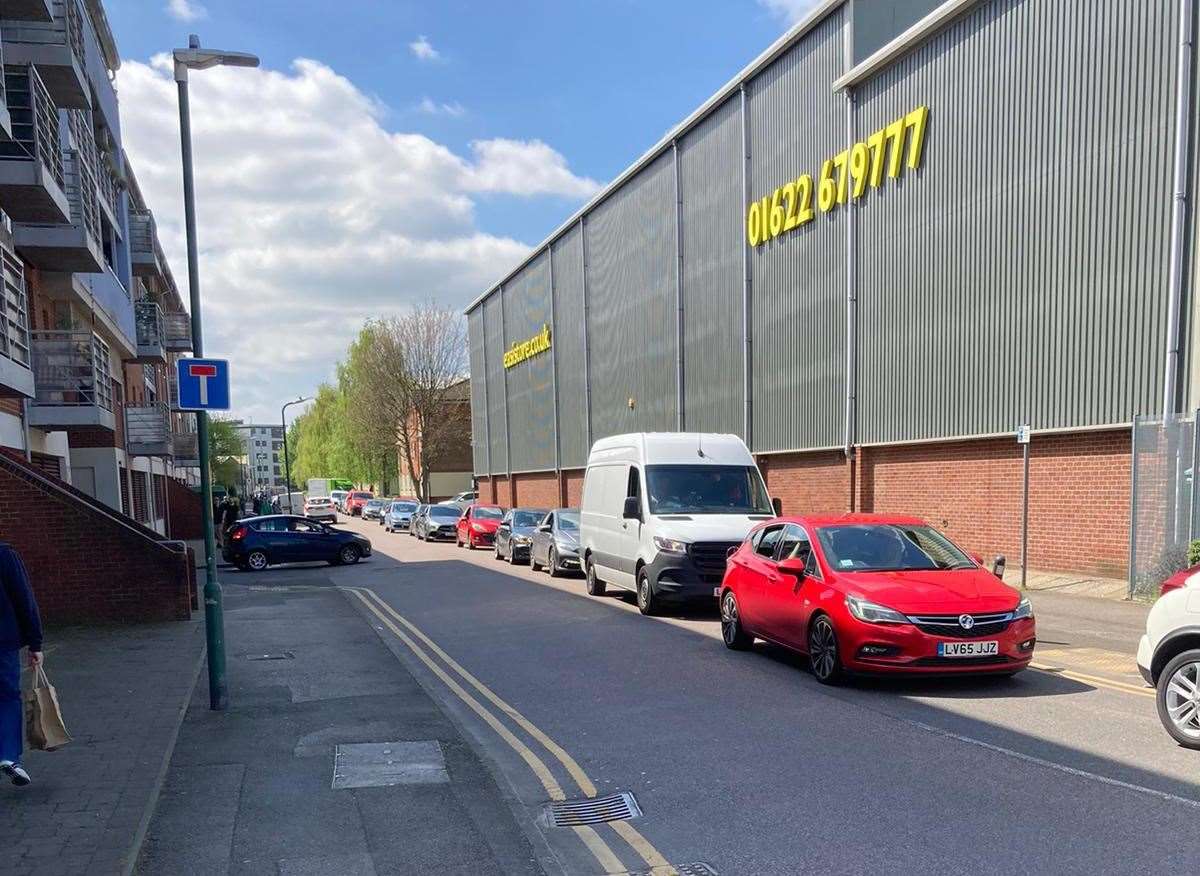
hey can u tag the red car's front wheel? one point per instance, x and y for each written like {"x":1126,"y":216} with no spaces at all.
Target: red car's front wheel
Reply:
{"x":823,"y":654}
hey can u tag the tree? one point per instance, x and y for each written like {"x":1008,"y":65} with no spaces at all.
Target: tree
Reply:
{"x":226,"y":449}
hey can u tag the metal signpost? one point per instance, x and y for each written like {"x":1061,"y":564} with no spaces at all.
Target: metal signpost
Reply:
{"x":1023,"y":440}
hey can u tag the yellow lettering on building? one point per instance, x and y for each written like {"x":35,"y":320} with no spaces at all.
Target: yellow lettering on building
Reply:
{"x":522,"y":350}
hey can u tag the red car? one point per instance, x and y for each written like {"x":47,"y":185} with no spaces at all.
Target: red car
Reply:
{"x":356,"y":501}
{"x":477,"y":525}
{"x":873,"y":594}
{"x":1179,"y":579}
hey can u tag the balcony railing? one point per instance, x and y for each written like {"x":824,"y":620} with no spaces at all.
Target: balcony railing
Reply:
{"x":16,"y":378}
{"x":150,"y":332}
{"x":73,"y":246}
{"x":148,"y":430}
{"x":143,"y":251}
{"x":73,"y":385}
{"x":56,"y":47}
{"x":31,"y":163}
{"x":185,"y":447}
{"x":177,"y":326}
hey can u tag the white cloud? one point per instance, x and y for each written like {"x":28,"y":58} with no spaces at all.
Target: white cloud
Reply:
{"x":790,"y":11}
{"x":423,"y":50}
{"x":313,"y":216}
{"x":430,"y":106}
{"x":186,"y":10}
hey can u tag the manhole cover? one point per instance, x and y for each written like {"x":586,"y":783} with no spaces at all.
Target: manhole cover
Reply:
{"x":282,"y":655}
{"x":380,"y":764}
{"x":594,"y":810}
{"x":697,"y":869}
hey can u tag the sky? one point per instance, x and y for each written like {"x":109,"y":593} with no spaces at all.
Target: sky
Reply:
{"x":391,"y":152}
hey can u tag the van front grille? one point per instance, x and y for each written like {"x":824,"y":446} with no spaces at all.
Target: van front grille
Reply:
{"x":709,"y":558}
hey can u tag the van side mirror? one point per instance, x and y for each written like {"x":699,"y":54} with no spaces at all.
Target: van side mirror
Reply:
{"x":632,"y":509}
{"x":998,"y":566}
{"x":777,"y":506}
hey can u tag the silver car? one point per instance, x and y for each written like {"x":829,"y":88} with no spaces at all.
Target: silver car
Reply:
{"x":396,"y":518}
{"x":556,"y":542}
{"x":321,"y":508}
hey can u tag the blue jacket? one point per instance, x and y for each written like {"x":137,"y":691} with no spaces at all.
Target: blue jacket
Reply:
{"x":20,"y":624}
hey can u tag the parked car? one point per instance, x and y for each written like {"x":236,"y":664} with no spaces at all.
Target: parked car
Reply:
{"x":357,"y":500}
{"x":438,"y":522}
{"x":320,"y":508}
{"x":1168,"y":657}
{"x":414,"y":524}
{"x":398,"y":515}
{"x":556,"y":542}
{"x":339,"y":499}
{"x":514,"y":535}
{"x":1185,"y":578}
{"x":661,"y":511}
{"x":477,"y":525}
{"x":372,"y":509}
{"x":462,"y":500}
{"x":288,"y":503}
{"x":873,"y":594}
{"x":258,"y":542}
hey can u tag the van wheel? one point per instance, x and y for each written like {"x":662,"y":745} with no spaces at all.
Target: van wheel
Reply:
{"x":595,"y":587}
{"x":648,"y":603}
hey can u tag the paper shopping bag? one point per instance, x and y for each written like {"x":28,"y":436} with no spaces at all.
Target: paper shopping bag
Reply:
{"x":44,"y":726}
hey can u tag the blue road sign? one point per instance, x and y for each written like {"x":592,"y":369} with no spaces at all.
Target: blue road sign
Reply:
{"x":203,"y":384}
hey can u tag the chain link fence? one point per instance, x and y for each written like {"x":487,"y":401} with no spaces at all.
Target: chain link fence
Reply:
{"x":1164,"y":515}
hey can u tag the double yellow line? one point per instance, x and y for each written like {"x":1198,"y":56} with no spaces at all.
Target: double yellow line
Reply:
{"x":595,"y":843}
{"x":1095,"y":680}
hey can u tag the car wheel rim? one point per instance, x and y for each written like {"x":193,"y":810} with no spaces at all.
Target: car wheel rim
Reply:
{"x":349,"y":555}
{"x":729,"y":618}
{"x":258,"y":561}
{"x":823,"y":650}
{"x":1183,"y":699}
{"x":552,"y":559}
{"x":643,"y":593}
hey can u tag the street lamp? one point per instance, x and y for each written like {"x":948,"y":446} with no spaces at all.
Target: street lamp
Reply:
{"x":287,"y":466}
{"x":196,"y":58}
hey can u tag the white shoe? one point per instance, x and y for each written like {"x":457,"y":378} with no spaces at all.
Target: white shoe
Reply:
{"x":16,"y":773}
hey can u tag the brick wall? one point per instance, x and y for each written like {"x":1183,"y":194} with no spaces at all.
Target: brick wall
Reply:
{"x":85,"y":565}
{"x":574,"y":485}
{"x":538,"y":490}
{"x":809,"y":483}
{"x":186,"y":513}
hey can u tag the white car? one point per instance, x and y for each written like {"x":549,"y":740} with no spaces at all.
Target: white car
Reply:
{"x":661,"y":511}
{"x":320,"y":508}
{"x":1169,"y":658}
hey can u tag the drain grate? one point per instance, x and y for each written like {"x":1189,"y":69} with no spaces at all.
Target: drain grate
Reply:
{"x":594,"y":810}
{"x":697,"y":869}
{"x":282,"y":655}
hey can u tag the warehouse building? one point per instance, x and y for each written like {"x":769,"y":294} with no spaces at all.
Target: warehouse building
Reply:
{"x":903,"y":231}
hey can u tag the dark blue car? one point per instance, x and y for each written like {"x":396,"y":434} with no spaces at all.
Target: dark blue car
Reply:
{"x":258,"y":542}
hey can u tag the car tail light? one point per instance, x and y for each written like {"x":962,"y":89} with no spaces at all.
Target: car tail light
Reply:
{"x":238,"y":534}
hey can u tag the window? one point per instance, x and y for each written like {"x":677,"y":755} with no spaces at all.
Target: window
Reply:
{"x":526,"y":518}
{"x":767,"y":540}
{"x":794,"y":544}
{"x":305,"y":526}
{"x":706,"y":489}
{"x":634,"y":488}
{"x":486,"y":513}
{"x":892,"y":547}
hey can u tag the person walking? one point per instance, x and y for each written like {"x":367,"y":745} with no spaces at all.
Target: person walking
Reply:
{"x":20,"y":627}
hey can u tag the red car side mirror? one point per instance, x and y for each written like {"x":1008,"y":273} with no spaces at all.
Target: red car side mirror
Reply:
{"x":794,"y":566}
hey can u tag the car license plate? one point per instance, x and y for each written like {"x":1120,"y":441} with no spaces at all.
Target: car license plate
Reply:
{"x":968,"y":649}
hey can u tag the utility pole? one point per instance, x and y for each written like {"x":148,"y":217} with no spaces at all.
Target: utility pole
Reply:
{"x":287,"y":465}
{"x":195,"y":58}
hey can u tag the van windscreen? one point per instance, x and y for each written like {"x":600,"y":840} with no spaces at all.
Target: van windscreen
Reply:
{"x":706,"y":489}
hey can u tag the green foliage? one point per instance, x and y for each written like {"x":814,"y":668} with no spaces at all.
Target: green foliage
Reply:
{"x":1194,"y":552}
{"x":224,"y":438}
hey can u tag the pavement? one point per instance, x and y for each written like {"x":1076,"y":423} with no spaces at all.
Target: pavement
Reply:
{"x":122,"y":691}
{"x":743,"y":764}
{"x":331,"y":759}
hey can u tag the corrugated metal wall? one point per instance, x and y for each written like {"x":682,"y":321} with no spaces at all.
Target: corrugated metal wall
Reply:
{"x":478,"y":390}
{"x":631,"y":304}
{"x":493,"y":331}
{"x":530,"y":383}
{"x":710,"y":170}
{"x":568,"y":348}
{"x":798,"y":281}
{"x":1022,"y":272}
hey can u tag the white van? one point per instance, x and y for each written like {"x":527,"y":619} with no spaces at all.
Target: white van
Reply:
{"x":661,"y":510}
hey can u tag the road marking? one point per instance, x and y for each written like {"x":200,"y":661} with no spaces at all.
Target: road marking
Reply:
{"x":599,"y":849}
{"x":1062,"y":768}
{"x":1119,"y":686}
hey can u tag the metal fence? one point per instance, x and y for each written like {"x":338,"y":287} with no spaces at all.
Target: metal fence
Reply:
{"x":1164,"y":514}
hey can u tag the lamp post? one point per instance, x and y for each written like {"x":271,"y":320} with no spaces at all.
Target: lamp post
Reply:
{"x":287,"y":465}
{"x":196,"y":58}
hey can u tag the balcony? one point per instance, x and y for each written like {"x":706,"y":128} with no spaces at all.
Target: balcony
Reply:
{"x":16,"y":378}
{"x":185,"y":447}
{"x":73,"y":387}
{"x":74,"y":246}
{"x":150,"y":332}
{"x":31,"y":163}
{"x":143,"y":251}
{"x":56,"y":48}
{"x":26,"y":10}
{"x":148,"y":430}
{"x":177,"y":326}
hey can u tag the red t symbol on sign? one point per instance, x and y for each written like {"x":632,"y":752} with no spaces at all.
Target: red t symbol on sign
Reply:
{"x":203,"y":372}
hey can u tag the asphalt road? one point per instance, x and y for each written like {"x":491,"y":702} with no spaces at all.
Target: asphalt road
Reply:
{"x":742,"y":761}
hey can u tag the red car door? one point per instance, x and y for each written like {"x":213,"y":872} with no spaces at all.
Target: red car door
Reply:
{"x":784,"y":595}
{"x":756,"y":569}
{"x":464,"y":527}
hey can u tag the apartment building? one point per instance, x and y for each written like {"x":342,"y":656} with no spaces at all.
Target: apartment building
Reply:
{"x":264,"y":457}
{"x":93,"y":320}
